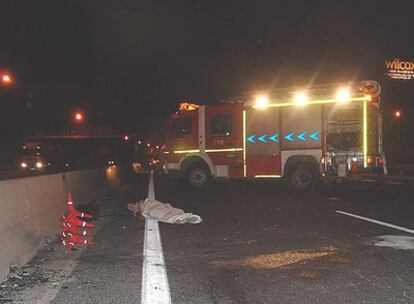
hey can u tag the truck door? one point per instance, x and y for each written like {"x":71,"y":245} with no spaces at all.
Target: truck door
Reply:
{"x":223,"y":141}
{"x":263,"y":142}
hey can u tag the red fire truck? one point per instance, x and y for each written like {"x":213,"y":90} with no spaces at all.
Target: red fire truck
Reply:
{"x":325,"y":132}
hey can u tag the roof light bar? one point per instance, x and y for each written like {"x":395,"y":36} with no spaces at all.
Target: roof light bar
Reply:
{"x":261,"y":101}
{"x":326,"y":101}
{"x":343,"y":95}
{"x":301,"y":99}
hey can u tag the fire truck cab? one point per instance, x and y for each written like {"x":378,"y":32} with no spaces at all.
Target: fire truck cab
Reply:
{"x":327,"y":132}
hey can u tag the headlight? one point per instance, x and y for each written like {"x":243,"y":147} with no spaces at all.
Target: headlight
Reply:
{"x":23,"y":165}
{"x":39,"y":165}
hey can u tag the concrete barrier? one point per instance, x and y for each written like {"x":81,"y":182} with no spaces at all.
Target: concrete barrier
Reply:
{"x":30,"y":208}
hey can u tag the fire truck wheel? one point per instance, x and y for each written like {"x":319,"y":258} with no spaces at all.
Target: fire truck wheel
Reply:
{"x":198,"y":176}
{"x":304,"y":177}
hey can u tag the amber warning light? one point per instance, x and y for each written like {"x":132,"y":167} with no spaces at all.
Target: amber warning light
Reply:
{"x":186,"y":106}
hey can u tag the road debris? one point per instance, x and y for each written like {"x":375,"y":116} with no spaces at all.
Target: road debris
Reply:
{"x":277,"y":260}
{"x":24,"y":277}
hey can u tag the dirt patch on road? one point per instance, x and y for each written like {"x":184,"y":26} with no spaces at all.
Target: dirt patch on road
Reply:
{"x":279,"y":259}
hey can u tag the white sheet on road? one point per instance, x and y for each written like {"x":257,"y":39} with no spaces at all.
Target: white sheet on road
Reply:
{"x":151,"y":208}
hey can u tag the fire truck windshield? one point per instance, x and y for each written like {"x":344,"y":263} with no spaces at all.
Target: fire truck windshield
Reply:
{"x":181,"y":126}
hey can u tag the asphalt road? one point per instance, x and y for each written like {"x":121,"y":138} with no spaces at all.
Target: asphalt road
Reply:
{"x":259,"y":243}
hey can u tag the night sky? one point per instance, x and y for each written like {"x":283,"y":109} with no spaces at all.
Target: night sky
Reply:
{"x":128,"y":63}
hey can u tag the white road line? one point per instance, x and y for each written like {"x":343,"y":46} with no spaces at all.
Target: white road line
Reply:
{"x":377,"y":222}
{"x":155,"y":287}
{"x":369,"y":180}
{"x":151,"y":191}
{"x":393,"y":183}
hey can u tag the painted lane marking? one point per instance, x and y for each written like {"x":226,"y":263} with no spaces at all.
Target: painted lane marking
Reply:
{"x":155,"y":288}
{"x":151,"y":191}
{"x":393,"y":183}
{"x":395,"y":241}
{"x":376,"y":222}
{"x":369,"y":180}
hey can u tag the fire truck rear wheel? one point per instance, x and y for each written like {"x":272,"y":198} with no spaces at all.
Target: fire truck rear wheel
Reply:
{"x":304,"y":177}
{"x":198,"y":176}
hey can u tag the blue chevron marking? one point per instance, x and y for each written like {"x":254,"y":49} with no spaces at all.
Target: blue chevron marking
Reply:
{"x":301,"y":136}
{"x":263,"y":138}
{"x":274,"y":137}
{"x":314,"y":135}
{"x":289,"y":137}
{"x":251,"y":139}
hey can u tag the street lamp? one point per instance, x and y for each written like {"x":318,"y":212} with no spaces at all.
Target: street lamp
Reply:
{"x":397,"y":114}
{"x":6,"y":79}
{"x":78,"y":117}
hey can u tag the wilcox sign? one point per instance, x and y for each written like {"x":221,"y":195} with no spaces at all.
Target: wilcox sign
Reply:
{"x":400,"y":69}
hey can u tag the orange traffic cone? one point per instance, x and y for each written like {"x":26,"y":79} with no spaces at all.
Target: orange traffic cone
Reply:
{"x":73,"y":227}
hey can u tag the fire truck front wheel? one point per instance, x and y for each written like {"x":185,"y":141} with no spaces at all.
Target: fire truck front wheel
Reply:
{"x":304,"y":177}
{"x":198,"y":176}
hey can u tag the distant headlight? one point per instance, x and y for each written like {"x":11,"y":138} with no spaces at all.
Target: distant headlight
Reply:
{"x":23,"y":165}
{"x":39,"y":165}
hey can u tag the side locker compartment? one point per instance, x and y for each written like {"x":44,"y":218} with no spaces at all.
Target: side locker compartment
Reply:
{"x":263,"y":138}
{"x":302,"y":132}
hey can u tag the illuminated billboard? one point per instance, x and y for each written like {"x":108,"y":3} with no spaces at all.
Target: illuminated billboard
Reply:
{"x":400,"y":69}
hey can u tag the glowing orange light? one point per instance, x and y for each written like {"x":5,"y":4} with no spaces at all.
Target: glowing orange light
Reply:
{"x":6,"y":79}
{"x":126,"y":137}
{"x":186,"y":106}
{"x":397,"y":114}
{"x":78,"y":117}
